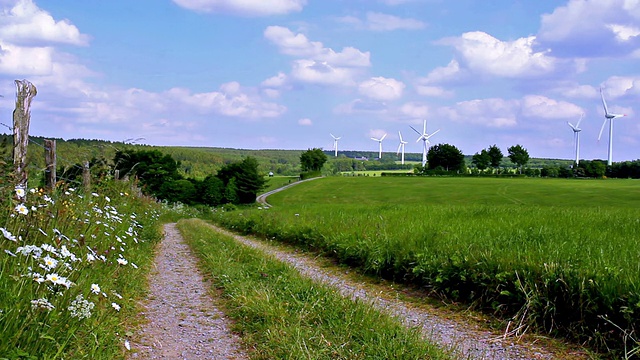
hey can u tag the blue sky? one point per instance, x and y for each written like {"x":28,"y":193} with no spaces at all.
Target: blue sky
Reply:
{"x":283,"y":74}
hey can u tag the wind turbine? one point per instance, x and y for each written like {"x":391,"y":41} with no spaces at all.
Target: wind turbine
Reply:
{"x":380,"y":142}
{"x":335,"y":144}
{"x":401,"y":146}
{"x":608,"y":116}
{"x":576,"y":137}
{"x":425,"y":140}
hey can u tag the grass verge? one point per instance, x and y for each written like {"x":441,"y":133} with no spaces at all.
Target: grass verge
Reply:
{"x":281,"y":314}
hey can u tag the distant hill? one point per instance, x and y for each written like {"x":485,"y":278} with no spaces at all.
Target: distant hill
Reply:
{"x":202,"y":161}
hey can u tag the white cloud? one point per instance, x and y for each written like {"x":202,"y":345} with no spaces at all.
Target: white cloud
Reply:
{"x":573,"y":29}
{"x":444,"y":74}
{"x":376,"y":133}
{"x":380,"y":88}
{"x":244,"y":7}
{"x":618,"y":86}
{"x":25,"y":61}
{"x":360,"y":106}
{"x":546,"y":108}
{"x":305,"y":122}
{"x":434,"y":91}
{"x":322,"y":73}
{"x":383,"y":22}
{"x":577,"y":91}
{"x":414,"y":110}
{"x":484,"y":54}
{"x":486,"y":112}
{"x":300,"y":46}
{"x":25,"y":23}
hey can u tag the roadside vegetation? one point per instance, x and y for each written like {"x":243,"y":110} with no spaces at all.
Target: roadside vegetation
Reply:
{"x":282,"y":315}
{"x":551,"y":255}
{"x":72,"y":268}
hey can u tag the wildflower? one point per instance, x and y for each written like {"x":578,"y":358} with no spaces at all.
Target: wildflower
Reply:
{"x":91,"y":258}
{"x":10,"y":253}
{"x":21,"y":209}
{"x":58,"y":280}
{"x":49,"y":262}
{"x":115,"y":306}
{"x":38,"y":278}
{"x":107,"y":198}
{"x":7,"y":234}
{"x":95,"y":194}
{"x":116,"y":294}
{"x":127,"y":345}
{"x":122,"y":261}
{"x":49,"y":248}
{"x":81,"y":308}
{"x":134,"y":265}
{"x":48,"y":199}
{"x":42,"y":232}
{"x":20,"y":193}
{"x":95,"y":288}
{"x":42,"y":303}
{"x":32,"y":190}
{"x":30,"y":249}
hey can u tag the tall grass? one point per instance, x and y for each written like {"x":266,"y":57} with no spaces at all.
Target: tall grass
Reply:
{"x":282,"y":315}
{"x":573,"y":271}
{"x":72,"y":267}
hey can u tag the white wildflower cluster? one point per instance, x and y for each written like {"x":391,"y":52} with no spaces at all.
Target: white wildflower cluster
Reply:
{"x":42,"y":304}
{"x":81,"y":308}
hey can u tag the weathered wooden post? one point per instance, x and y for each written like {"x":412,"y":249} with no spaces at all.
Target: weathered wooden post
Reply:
{"x":25,"y":91}
{"x":50,"y":163}
{"x":86,"y":177}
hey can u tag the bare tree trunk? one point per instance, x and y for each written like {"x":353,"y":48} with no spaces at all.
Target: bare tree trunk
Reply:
{"x":25,"y":91}
{"x":50,"y":161}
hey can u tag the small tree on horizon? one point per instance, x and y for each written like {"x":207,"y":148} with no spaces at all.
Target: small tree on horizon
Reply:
{"x":495,"y":154}
{"x":481,"y":160}
{"x":518,"y":155}
{"x":446,"y":156}
{"x":313,"y":160}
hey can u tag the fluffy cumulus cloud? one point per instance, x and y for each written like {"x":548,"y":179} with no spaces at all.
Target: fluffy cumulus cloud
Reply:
{"x":413,"y":110}
{"x":485,"y":112}
{"x":543,"y":107}
{"x":484,"y":54}
{"x":592,"y":28}
{"x":444,"y":74}
{"x":374,"y":21}
{"x":300,"y":46}
{"x":244,"y":7}
{"x":433,"y":91}
{"x":25,"y":23}
{"x":322,"y":73}
{"x":619,"y":86}
{"x":380,"y":88}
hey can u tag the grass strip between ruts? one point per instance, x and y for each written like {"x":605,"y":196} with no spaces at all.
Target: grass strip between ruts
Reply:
{"x":282,"y":315}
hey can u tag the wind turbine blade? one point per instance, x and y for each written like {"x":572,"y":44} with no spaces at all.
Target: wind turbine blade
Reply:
{"x":399,"y":146}
{"x":414,"y":129}
{"x":399,"y":134}
{"x":332,"y":136}
{"x":374,"y":139}
{"x":383,"y":136}
{"x":604,"y":104}
{"x":571,"y":125}
{"x":602,"y":129}
{"x":424,"y":127}
{"x":579,"y":121}
{"x":435,"y":132}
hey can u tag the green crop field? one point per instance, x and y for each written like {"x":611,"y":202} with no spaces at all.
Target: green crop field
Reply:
{"x":558,"y":255}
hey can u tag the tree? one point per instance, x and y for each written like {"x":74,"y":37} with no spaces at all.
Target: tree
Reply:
{"x":211,"y":191}
{"x":245,"y":178}
{"x":519,"y":156}
{"x":312,"y":160}
{"x":447,"y":156}
{"x":152,"y":167}
{"x":481,"y":160}
{"x":495,"y":154}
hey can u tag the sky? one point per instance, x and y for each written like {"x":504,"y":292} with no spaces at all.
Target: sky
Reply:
{"x":285,"y":74}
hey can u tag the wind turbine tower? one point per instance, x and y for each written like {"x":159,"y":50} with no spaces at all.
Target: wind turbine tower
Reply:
{"x":401,"y":147}
{"x":380,"y":143}
{"x":335,"y":144}
{"x":424,"y":136}
{"x":576,"y":137}
{"x":608,"y":116}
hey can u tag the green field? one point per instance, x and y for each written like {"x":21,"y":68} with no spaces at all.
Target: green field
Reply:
{"x":559,"y":255}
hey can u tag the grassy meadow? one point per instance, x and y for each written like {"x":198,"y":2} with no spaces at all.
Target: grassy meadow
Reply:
{"x":557,"y":255}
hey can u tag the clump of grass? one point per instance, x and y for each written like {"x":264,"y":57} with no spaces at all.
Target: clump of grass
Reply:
{"x":281,"y":314}
{"x":70,"y":270}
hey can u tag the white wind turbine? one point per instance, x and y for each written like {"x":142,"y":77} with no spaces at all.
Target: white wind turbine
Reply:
{"x":380,"y":143}
{"x":335,"y":144}
{"x":608,"y":116}
{"x":576,"y":137}
{"x":401,"y":146}
{"x":425,"y":140}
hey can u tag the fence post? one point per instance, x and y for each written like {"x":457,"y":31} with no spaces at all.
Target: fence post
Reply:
{"x":25,"y":91}
{"x":50,"y":163}
{"x":86,"y":177}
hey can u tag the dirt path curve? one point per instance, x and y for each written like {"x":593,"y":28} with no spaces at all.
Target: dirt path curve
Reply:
{"x":183,"y":322}
{"x":262,"y":198}
{"x":469,"y":342}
